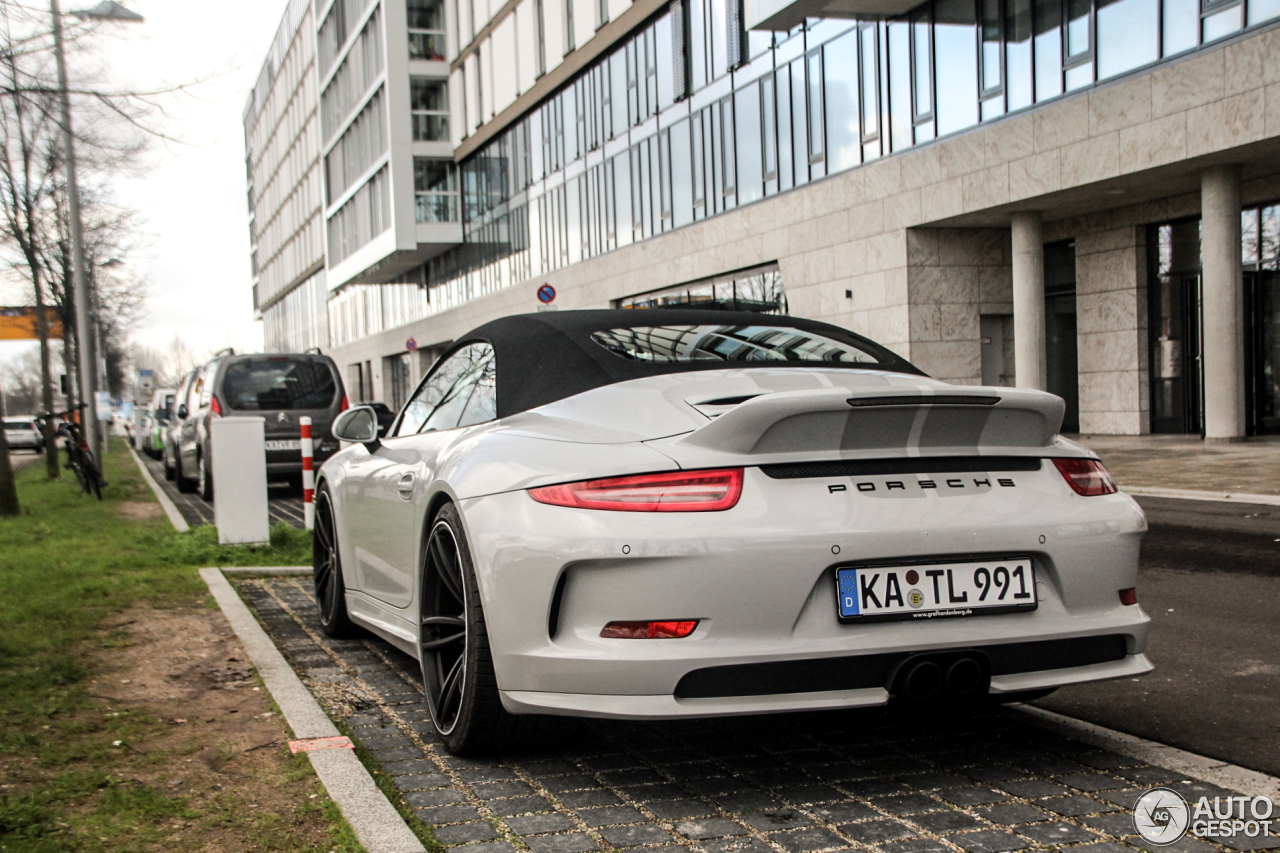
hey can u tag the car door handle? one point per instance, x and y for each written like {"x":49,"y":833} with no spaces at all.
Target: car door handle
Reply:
{"x":405,"y":486}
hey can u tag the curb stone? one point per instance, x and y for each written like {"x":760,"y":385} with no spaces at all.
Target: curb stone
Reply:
{"x":170,"y":508}
{"x":1200,"y":767}
{"x":375,"y":822}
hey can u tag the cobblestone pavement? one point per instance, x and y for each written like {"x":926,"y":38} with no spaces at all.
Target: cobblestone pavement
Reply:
{"x":283,"y":504}
{"x":875,"y":780}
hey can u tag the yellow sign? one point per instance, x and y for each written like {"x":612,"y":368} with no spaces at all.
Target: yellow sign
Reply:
{"x":19,"y":324}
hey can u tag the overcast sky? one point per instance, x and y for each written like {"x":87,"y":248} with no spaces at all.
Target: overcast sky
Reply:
{"x":196,"y":246}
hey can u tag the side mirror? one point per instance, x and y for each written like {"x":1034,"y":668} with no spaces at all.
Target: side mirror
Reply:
{"x":182,"y":410}
{"x":358,"y":424}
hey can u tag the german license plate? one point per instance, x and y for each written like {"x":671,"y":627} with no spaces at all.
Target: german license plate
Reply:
{"x":935,"y":590}
{"x":284,"y":444}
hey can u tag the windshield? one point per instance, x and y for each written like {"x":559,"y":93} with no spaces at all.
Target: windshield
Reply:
{"x":753,"y":343}
{"x":279,"y":383}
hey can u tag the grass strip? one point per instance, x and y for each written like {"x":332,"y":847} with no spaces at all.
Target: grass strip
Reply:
{"x":68,"y":565}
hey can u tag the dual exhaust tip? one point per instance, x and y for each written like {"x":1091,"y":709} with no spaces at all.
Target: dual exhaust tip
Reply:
{"x":957,"y":675}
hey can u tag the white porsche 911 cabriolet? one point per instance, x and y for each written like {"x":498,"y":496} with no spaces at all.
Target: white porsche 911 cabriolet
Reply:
{"x":667,"y":513}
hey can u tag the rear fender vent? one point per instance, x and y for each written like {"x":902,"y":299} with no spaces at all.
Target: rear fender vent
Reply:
{"x":903,"y":465}
{"x":717,"y":407}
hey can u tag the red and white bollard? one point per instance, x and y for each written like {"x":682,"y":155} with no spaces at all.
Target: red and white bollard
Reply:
{"x":308,"y":473}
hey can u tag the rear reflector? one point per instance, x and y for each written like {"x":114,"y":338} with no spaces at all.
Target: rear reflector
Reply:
{"x":1129,"y":597}
{"x":668,"y":630}
{"x":674,"y":491}
{"x":346,"y":404}
{"x":1086,"y":476}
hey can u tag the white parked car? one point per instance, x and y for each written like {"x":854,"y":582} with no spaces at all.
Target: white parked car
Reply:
{"x":684,"y":513}
{"x":22,"y":433}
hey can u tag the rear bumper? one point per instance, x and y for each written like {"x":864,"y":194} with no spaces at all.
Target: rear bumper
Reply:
{"x":670,"y":706}
{"x":24,"y":443}
{"x":760,"y":579}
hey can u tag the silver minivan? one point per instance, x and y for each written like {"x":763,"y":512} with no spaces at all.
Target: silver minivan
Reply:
{"x":280,"y":388}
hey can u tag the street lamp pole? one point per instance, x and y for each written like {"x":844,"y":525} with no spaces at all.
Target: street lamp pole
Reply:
{"x":87,"y":349}
{"x":80,"y":284}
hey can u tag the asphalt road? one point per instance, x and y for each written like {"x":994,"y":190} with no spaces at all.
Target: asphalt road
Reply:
{"x":1210,"y":577}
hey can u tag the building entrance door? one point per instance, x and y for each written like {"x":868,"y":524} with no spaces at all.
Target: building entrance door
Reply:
{"x":1262,"y":351}
{"x":1062,"y":364}
{"x":1175,"y":355}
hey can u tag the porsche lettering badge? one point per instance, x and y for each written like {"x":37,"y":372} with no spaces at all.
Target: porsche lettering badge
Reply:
{"x":952,"y":485}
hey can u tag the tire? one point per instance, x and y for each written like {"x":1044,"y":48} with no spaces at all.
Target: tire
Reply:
{"x":39,"y":449}
{"x":204,"y":480}
{"x":169,"y":472}
{"x":80,"y":476}
{"x":326,"y":572}
{"x":457,"y":664}
{"x":92,"y":476}
{"x":179,"y":478}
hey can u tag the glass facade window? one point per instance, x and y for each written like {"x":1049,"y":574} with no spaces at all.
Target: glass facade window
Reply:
{"x":955,"y":41}
{"x":1128,"y":35}
{"x":340,"y":21}
{"x":429,"y":105}
{"x":361,"y":68}
{"x":426,"y":29}
{"x":364,"y":216}
{"x":1220,"y":23}
{"x":358,"y":149}
{"x":435,"y":187}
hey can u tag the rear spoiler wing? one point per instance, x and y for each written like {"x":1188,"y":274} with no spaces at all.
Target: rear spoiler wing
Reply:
{"x":891,"y":419}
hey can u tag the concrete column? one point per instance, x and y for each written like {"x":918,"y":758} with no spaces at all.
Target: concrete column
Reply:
{"x":1028,"y":301}
{"x":1222,"y":304}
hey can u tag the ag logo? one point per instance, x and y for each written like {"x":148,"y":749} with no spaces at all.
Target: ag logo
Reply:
{"x":1161,"y":816}
{"x":281,"y":418}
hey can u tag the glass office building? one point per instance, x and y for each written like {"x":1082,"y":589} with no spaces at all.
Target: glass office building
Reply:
{"x":685,"y":117}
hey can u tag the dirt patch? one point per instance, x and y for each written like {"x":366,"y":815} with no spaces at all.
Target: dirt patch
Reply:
{"x":140,"y":510}
{"x":187,"y":719}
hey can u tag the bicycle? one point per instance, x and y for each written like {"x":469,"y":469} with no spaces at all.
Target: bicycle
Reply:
{"x":79,"y":457}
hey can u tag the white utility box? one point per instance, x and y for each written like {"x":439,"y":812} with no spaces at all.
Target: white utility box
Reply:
{"x":239,"y":456}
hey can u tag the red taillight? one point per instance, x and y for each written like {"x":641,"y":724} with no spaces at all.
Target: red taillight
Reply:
{"x":215,"y":406}
{"x":345,"y":403}
{"x":674,"y":491}
{"x":1129,"y":597}
{"x":672,"y":629}
{"x":1086,"y":476}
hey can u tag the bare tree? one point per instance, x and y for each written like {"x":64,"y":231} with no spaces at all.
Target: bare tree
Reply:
{"x":113,"y":130}
{"x":21,"y":378}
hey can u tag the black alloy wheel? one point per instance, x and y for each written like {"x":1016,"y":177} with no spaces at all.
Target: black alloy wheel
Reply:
{"x":457,"y":664}
{"x":326,"y":571}
{"x":443,"y":640}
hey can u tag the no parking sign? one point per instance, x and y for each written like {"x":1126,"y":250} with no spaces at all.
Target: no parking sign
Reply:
{"x":546,"y":294}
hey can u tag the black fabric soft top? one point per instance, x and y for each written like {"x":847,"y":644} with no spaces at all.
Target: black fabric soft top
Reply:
{"x":550,"y":355}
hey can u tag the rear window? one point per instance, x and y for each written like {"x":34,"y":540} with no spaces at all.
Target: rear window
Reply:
{"x":712,"y":343}
{"x":16,"y":426}
{"x":252,"y":386}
